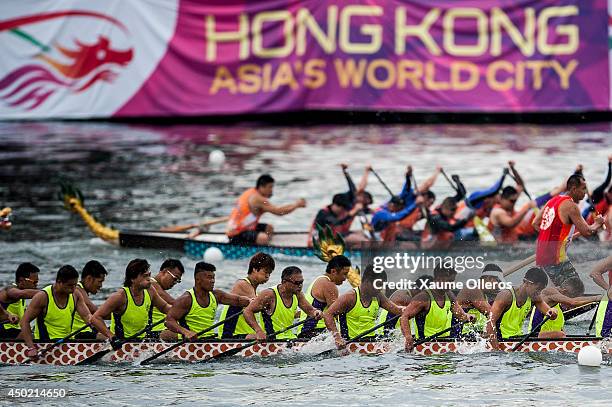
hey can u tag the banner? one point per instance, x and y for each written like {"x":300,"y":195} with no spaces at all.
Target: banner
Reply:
{"x":111,"y":58}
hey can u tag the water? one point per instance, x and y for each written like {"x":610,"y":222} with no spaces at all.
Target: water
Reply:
{"x":136,"y":176}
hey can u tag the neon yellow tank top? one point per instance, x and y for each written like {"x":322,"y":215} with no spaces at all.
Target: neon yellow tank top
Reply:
{"x":437,"y":318}
{"x":603,"y":324}
{"x":56,"y":322}
{"x":199,"y":318}
{"x":78,"y":321}
{"x":135,"y":317}
{"x":550,"y":325}
{"x":359,"y":318}
{"x":281,"y":318}
{"x":511,"y":322}
{"x":315,"y":303}
{"x":16,"y":308}
{"x":237,"y":326}
{"x":157,"y":315}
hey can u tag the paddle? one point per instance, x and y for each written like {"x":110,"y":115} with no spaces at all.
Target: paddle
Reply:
{"x":185,"y":340}
{"x":534,"y":330}
{"x":205,"y":224}
{"x":255,"y":342}
{"x":56,"y":343}
{"x":452,"y":184}
{"x":382,"y":182}
{"x":361,"y":335}
{"x":434,"y":336}
{"x":99,"y":355}
{"x":520,"y":182}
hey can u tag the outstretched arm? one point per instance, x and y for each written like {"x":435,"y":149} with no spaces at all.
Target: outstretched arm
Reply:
{"x":598,"y":193}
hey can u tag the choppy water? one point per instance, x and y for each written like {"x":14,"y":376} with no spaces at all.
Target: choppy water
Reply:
{"x":146,"y":177}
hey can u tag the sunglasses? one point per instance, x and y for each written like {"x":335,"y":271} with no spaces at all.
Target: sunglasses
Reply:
{"x":177,"y":279}
{"x":297,"y":283}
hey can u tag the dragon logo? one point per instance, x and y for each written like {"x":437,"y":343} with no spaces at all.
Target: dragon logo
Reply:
{"x":72,"y":68}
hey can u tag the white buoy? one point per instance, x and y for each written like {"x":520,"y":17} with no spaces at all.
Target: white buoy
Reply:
{"x":216,"y":158}
{"x":213,"y":255}
{"x":590,"y":356}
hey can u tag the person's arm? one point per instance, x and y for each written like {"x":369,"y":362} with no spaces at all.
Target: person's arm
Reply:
{"x":555,"y":296}
{"x":88,"y":303}
{"x":34,"y":309}
{"x":598,"y":193}
{"x":429,"y":182}
{"x":265,"y":206}
{"x":307,"y":307}
{"x":179,"y":309}
{"x":537,"y":220}
{"x":158,"y":301}
{"x":352,"y":190}
{"x":500,"y":305}
{"x":480,"y":195}
{"x":14,"y":293}
{"x":329,"y":291}
{"x":6,"y":316}
{"x":81,"y":306}
{"x":363,"y":182}
{"x":388,"y":216}
{"x":460,"y":314}
{"x":389,"y":305}
{"x":502,"y":218}
{"x":604,"y":266}
{"x":573,"y":213}
{"x":437,"y":224}
{"x":231,"y":299}
{"x":260,"y":303}
{"x":420,"y":303}
{"x":117,"y":301}
{"x":340,"y":306}
{"x":163,"y":293}
{"x":544,"y":308}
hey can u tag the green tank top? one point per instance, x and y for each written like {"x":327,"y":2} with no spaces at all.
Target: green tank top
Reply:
{"x":550,"y":325}
{"x":56,"y":322}
{"x":382,"y":317}
{"x":78,"y":321}
{"x":157,"y":315}
{"x":281,"y":318}
{"x":199,"y":318}
{"x":16,"y":308}
{"x":237,"y":326}
{"x":437,"y":318}
{"x":316,"y":304}
{"x":511,"y":322}
{"x":359,"y":318}
{"x":601,"y":323}
{"x":135,"y":317}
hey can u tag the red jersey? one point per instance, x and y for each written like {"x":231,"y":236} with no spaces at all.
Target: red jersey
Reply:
{"x":554,"y":234}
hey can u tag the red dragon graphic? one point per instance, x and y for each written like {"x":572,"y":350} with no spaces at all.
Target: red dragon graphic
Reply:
{"x":30,"y":85}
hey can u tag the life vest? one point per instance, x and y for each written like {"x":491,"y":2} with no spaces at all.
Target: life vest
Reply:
{"x":503,"y":234}
{"x":463,"y":210}
{"x":242,"y":219}
{"x":554,"y":234}
{"x":55,"y":322}
{"x":408,"y":222}
{"x":601,"y":208}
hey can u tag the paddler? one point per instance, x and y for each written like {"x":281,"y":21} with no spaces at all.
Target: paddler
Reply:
{"x":504,"y":220}
{"x":13,"y":298}
{"x":568,"y":295}
{"x":358,"y":194}
{"x":130,"y":307}
{"x":601,"y":199}
{"x":339,"y":217}
{"x":195,"y":310}
{"x":477,"y":301}
{"x":260,"y":268}
{"x":243,"y":226}
{"x":442,"y":226}
{"x":511,"y":307}
{"x":278,"y":306}
{"x":357,"y":310}
{"x":385,"y":218}
{"x":555,"y":224}
{"x":323,"y":292}
{"x":54,"y":309}
{"x":603,"y":320}
{"x":92,"y":278}
{"x":433,"y":308}
{"x":401,"y":298}
{"x":170,"y":273}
